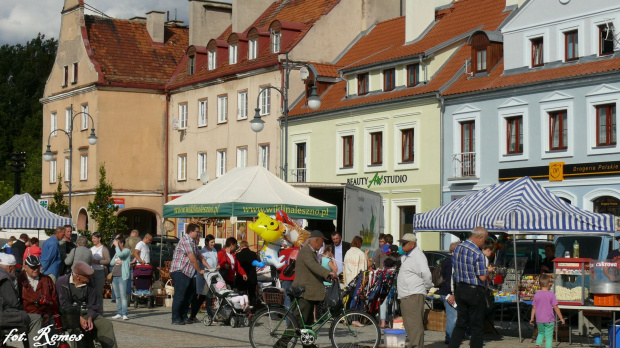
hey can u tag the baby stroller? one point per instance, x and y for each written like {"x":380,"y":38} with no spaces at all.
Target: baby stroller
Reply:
{"x":142,"y":283}
{"x":228,"y":310}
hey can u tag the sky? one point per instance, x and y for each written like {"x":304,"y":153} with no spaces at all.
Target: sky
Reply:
{"x":22,"y":20}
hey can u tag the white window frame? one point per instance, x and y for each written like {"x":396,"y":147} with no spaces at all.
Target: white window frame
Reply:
{"x":340,"y":170}
{"x":201,"y":164}
{"x":601,"y":95}
{"x":395,"y":205}
{"x":53,"y":173}
{"x":182,"y":115}
{"x":276,"y":41}
{"x":202,"y":112}
{"x":222,"y":109}
{"x":84,"y":117}
{"x":263,"y":156}
{"x":67,"y":169}
{"x":527,"y":42}
{"x":581,"y":45}
{"x":264,"y":101}
{"x":242,"y":105}
{"x":547,"y":107}
{"x":212,"y":60}
{"x":398,"y":146}
{"x":368,"y":167}
{"x":300,"y":139}
{"x":220,"y":167}
{"x":68,"y":120}
{"x":83,"y":167}
{"x":503,"y":114}
{"x":466,"y":113}
{"x":611,"y":18}
{"x":252,"y":48}
{"x":588,"y":198}
{"x":232,"y":54}
{"x":181,"y":167}
{"x":242,"y":156}
{"x":53,"y":123}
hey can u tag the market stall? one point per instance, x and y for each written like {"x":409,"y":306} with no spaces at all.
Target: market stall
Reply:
{"x":23,"y":212}
{"x":520,"y":206}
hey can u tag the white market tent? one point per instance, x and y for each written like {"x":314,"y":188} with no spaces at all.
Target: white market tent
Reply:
{"x":243,"y":192}
{"x":23,"y":212}
{"x":520,"y":206}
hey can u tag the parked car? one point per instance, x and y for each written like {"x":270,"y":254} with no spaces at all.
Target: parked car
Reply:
{"x":434,"y":258}
{"x":162,"y":249}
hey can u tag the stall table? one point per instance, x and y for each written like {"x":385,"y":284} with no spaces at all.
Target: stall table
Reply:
{"x":613,"y":311}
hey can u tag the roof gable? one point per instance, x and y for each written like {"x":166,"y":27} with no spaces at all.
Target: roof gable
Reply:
{"x":512,"y":102}
{"x":603,"y":89}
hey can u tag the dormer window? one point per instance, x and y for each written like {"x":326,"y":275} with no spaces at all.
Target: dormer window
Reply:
{"x":389,"y":79}
{"x":212,"y":60}
{"x":571,"y":46}
{"x":413,"y":72}
{"x":191,"y":65}
{"x":232,"y":54}
{"x":252,"y":48}
{"x":537,"y":52}
{"x":481,"y":60}
{"x":276,"y":38}
{"x":606,"y":39}
{"x":362,"y":84}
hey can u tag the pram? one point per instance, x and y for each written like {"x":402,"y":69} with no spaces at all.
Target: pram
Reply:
{"x":226,"y":311}
{"x":142,"y":282}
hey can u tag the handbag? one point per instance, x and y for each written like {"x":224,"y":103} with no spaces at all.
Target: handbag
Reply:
{"x":333,"y":296}
{"x":70,"y":317}
{"x":489,"y":298}
{"x":289,"y":270}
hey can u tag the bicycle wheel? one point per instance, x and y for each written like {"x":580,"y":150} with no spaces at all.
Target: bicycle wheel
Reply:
{"x":270,"y":329}
{"x":355,"y":329}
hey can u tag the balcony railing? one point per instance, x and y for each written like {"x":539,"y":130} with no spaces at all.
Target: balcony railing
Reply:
{"x":298,"y":175}
{"x":464,"y":165}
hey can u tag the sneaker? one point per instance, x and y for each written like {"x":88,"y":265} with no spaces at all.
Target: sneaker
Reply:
{"x":125,"y":317}
{"x":118,"y":316}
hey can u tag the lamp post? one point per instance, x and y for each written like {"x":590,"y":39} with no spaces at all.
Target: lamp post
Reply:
{"x":48,"y":155}
{"x":314,"y":102}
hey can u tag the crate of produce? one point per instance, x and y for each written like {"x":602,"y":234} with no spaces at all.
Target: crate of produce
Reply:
{"x":435,"y":320}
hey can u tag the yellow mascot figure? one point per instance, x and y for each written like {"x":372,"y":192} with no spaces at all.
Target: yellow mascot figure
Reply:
{"x":271,"y":232}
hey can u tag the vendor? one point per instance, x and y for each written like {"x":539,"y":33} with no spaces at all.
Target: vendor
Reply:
{"x":612,"y":255}
{"x":546,"y":266}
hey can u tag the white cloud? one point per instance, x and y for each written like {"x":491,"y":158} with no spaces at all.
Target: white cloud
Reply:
{"x":22,"y":20}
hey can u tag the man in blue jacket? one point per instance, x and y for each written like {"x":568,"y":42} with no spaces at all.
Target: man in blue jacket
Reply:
{"x":50,"y":254}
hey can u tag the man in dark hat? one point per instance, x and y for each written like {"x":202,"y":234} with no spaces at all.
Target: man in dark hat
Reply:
{"x":17,"y":249}
{"x":38,"y":292}
{"x":76,"y":288}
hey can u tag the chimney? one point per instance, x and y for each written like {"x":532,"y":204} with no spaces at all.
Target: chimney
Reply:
{"x":207,"y":20}
{"x":419,"y":14}
{"x":71,"y":4}
{"x":245,"y":12}
{"x":155,"y":25}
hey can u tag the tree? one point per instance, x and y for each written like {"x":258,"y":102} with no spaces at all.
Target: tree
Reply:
{"x":6,"y":192}
{"x":103,"y":211}
{"x":58,"y":205}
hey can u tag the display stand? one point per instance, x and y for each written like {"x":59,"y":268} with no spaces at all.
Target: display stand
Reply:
{"x":579,"y":308}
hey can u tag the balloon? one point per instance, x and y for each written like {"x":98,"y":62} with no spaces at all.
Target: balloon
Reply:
{"x":271,"y":232}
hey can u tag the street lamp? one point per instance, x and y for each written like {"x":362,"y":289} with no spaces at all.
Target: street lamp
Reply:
{"x":314,"y":102}
{"x":48,"y":155}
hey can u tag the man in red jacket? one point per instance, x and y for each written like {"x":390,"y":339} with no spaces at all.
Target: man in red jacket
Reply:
{"x":38,"y":292}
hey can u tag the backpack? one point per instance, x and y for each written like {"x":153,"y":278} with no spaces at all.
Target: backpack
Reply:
{"x":436,"y":275}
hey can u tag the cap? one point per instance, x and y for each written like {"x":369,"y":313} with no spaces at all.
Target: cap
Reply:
{"x":32,"y":261}
{"x":317,"y":234}
{"x":7,"y":259}
{"x":408,"y":237}
{"x":82,"y":268}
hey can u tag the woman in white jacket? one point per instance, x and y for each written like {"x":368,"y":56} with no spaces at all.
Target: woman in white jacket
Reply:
{"x":355,"y":260}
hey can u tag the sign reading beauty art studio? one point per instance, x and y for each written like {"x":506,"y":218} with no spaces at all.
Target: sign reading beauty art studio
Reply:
{"x":377,"y":180}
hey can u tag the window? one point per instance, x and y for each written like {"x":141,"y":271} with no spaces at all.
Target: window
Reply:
{"x":53,"y":174}
{"x":182,"y":167}
{"x":191,"y":65}
{"x":65,"y":79}
{"x":413,"y":72}
{"x":514,"y":134}
{"x":467,"y":158}
{"x":242,"y":105}
{"x":405,"y":219}
{"x":85,"y":117}
{"x":265,"y":101}
{"x":75,"y":73}
{"x":67,"y":169}
{"x":606,"y":125}
{"x":537,"y":52}
{"x":389,"y":79}
{"x":558,"y":130}
{"x":222,"y":108}
{"x":275,"y":42}
{"x":53,"y":123}
{"x":606,"y":39}
{"x":212,"y":59}
{"x":468,"y":136}
{"x":68,"y":120}
{"x":362,"y":84}
{"x":347,"y":151}
{"x":376,"y":144}
{"x":182,"y":116}
{"x":407,"y":145}
{"x":263,"y":156}
{"x":481,"y":60}
{"x":242,"y":157}
{"x":232,"y":54}
{"x":252,"y":48}
{"x":221,"y":163}
{"x":202,"y":113}
{"x":202,"y":163}
{"x":83,"y":167}
{"x":571,"y":45}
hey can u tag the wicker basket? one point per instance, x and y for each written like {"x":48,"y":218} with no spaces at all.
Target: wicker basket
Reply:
{"x":273,"y":298}
{"x":169,"y":288}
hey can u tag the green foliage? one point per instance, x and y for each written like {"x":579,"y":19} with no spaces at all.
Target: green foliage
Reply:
{"x":6,"y":192}
{"x":103,"y":211}
{"x":58,"y":205}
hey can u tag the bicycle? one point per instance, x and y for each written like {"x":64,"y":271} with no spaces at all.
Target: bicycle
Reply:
{"x":276,"y":326}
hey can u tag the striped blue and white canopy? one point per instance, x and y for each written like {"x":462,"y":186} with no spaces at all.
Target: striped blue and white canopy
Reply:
{"x":517,"y":206}
{"x":23,"y":212}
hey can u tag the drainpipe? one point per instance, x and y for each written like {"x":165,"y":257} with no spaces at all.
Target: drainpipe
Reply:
{"x":442,"y":109}
{"x":282,"y":104}
{"x":166,"y":137}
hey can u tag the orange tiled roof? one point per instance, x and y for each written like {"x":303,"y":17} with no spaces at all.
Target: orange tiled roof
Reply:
{"x":497,"y":80}
{"x":126,"y":55}
{"x":326,"y":70}
{"x":387,"y":40}
{"x":301,"y":12}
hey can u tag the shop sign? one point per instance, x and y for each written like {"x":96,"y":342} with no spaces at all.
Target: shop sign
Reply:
{"x":378,"y":180}
{"x":558,"y":171}
{"x":119,"y":202}
{"x":44,"y":203}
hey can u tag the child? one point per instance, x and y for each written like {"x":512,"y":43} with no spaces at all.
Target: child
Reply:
{"x":242,"y":300}
{"x":328,"y":261}
{"x":487,"y":250}
{"x":543,"y":306}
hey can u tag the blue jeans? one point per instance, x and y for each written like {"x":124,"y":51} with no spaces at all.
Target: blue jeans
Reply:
{"x":286,"y":284}
{"x":184,"y":288}
{"x":450,"y":317}
{"x":119,"y":284}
